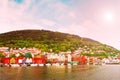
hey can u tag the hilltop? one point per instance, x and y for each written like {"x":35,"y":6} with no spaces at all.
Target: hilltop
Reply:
{"x":55,"y":41}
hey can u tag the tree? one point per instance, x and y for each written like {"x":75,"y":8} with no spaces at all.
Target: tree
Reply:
{"x":2,"y":55}
{"x":28,"y":55}
{"x":13,"y":56}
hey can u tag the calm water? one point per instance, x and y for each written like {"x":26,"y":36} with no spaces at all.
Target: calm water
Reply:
{"x":81,"y":72}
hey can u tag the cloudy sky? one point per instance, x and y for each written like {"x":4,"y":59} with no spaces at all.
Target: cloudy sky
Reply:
{"x":95,"y":19}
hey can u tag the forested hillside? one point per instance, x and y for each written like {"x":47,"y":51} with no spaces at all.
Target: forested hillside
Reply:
{"x":55,"y":41}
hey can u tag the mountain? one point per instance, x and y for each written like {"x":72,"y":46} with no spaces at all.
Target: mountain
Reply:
{"x":55,"y":41}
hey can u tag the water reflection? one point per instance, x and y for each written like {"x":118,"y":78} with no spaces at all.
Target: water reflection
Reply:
{"x":81,"y":72}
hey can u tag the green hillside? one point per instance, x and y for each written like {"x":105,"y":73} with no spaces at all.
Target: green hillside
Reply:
{"x":55,"y":41}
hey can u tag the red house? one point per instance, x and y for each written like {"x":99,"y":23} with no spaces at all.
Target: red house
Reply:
{"x":6,"y":60}
{"x":19,"y":60}
{"x":39,"y":60}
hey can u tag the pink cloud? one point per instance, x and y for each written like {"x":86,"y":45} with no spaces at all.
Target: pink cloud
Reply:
{"x":85,"y":19}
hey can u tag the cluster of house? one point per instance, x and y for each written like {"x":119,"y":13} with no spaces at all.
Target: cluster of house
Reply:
{"x":48,"y":58}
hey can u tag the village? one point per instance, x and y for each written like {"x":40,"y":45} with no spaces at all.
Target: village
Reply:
{"x":34,"y":57}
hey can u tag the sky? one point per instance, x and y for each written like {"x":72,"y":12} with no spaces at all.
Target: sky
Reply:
{"x":95,"y":19}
